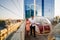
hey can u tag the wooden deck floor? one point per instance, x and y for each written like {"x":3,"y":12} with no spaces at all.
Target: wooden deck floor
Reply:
{"x":38,"y":37}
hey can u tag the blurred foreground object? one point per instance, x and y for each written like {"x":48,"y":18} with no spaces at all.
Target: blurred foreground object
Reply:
{"x":44,"y":25}
{"x":55,"y":33}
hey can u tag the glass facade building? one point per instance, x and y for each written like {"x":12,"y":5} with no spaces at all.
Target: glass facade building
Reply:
{"x":43,"y":7}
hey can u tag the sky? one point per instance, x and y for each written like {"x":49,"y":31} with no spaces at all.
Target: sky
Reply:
{"x":11,"y":9}
{"x":15,"y":8}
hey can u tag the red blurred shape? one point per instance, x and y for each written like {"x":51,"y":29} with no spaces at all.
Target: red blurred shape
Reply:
{"x":40,"y":28}
{"x":47,"y":28}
